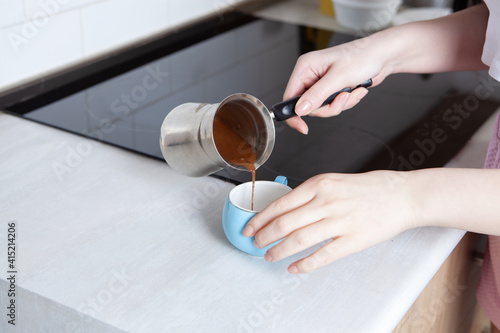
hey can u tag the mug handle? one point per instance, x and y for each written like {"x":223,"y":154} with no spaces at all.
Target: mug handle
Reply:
{"x":282,"y":180}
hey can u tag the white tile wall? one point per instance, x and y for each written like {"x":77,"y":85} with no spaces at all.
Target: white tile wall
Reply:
{"x":112,"y":23}
{"x":29,"y":50}
{"x":34,"y":8}
{"x":39,"y":36}
{"x":184,"y":11}
{"x":11,"y":12}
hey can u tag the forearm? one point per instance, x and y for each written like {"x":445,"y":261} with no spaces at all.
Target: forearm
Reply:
{"x":451,"y":43}
{"x":467,"y":199}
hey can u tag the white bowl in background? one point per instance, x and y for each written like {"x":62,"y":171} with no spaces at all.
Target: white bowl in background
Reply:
{"x":366,"y":15}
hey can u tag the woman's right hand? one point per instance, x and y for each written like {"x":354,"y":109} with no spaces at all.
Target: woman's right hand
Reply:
{"x":450,"y":43}
{"x":319,"y":74}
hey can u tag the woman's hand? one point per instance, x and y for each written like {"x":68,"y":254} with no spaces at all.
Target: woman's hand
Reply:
{"x":451,"y":43}
{"x":319,"y":74}
{"x":356,"y":211}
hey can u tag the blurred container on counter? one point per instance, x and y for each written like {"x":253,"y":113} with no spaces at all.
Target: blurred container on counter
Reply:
{"x":366,"y":15}
{"x":326,"y":7}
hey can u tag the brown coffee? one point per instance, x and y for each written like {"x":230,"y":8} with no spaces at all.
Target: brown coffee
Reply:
{"x":234,"y":148}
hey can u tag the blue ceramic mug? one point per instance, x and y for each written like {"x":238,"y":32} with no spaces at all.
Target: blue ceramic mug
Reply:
{"x":237,"y":210}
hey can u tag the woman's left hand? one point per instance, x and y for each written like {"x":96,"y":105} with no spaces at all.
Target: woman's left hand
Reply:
{"x":355,"y":211}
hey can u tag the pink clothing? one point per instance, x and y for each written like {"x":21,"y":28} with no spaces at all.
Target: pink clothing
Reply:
{"x":488,"y":290}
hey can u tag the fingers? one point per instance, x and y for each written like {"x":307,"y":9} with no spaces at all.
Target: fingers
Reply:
{"x":339,"y":248}
{"x":287,"y":203}
{"x":298,"y":124}
{"x":287,"y":223}
{"x":329,"y":206}
{"x":335,"y":108}
{"x":304,"y":74}
{"x":312,"y":77}
{"x":342,"y":102}
{"x":355,"y":97}
{"x":302,"y":239}
{"x":315,"y":79}
{"x":314,"y":97}
{"x":310,"y":102}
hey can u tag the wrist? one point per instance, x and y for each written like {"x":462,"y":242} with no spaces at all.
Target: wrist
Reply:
{"x":418,"y":196}
{"x":405,"y":197}
{"x":392,"y":44}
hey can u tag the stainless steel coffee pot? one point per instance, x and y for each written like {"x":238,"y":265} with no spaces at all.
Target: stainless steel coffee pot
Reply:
{"x":187,"y":138}
{"x":187,"y":141}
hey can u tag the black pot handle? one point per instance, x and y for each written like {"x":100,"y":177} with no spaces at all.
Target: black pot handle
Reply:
{"x":286,"y":109}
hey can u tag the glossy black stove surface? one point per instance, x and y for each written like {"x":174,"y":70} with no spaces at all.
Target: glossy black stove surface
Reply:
{"x":125,"y":104}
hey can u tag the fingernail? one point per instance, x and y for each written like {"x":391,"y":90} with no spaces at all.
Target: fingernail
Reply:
{"x":304,"y":131}
{"x":363,"y":93}
{"x":268,"y":257}
{"x":248,"y":231}
{"x":302,"y":108}
{"x":255,"y":244}
{"x":345,"y":98}
{"x":293,"y":269}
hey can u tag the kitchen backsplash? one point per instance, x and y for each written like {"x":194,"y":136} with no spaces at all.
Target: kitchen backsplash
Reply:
{"x":41,"y":36}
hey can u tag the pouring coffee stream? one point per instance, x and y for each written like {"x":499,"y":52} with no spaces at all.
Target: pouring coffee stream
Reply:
{"x":235,"y":149}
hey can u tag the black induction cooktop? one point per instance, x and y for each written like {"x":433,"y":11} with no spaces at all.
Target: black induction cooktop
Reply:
{"x":123,"y":98}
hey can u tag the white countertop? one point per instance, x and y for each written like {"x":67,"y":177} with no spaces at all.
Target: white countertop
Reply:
{"x":120,"y":243}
